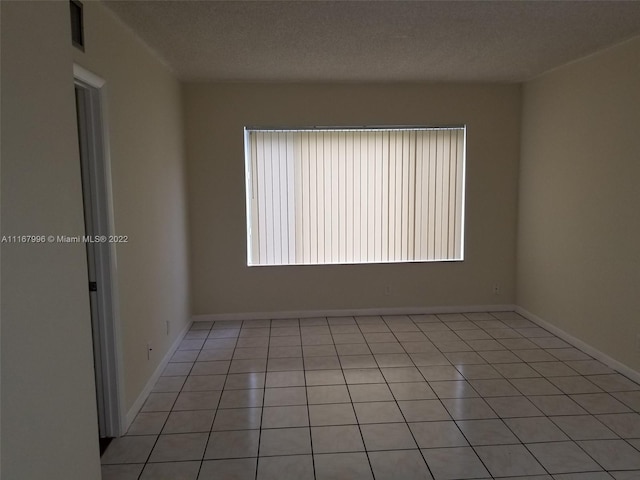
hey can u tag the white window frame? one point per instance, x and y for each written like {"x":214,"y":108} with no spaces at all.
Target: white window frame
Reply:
{"x":371,"y":242}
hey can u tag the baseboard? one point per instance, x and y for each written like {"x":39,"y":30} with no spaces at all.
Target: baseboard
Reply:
{"x":137,"y":405}
{"x":585,"y":347}
{"x":567,"y":337}
{"x":352,"y":312}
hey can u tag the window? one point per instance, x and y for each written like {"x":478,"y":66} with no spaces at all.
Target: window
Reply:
{"x":354,"y":195}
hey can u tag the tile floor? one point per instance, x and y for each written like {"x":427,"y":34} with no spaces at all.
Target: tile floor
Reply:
{"x":454,"y":396}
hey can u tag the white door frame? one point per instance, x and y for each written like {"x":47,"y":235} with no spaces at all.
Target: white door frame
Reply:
{"x":107,"y":343}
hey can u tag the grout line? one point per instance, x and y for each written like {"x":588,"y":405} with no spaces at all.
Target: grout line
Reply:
{"x":306,"y":396}
{"x":170,"y":411}
{"x":206,"y":444}
{"x":400,"y":409}
{"x":264,"y":391}
{"x":219,"y":398}
{"x":510,"y":345}
{"x":353,"y":408}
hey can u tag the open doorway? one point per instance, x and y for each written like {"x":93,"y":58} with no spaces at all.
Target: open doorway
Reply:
{"x":96,"y":188}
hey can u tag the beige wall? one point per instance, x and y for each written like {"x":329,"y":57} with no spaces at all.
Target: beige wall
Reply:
{"x":49,"y":426}
{"x":146,"y":146}
{"x":579,"y":221}
{"x":221,"y":282}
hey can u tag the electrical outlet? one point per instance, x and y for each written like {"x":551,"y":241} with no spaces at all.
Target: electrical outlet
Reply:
{"x":168,"y":327}
{"x":496,"y":289}
{"x":149,"y":350}
{"x":387,"y":290}
{"x":638,"y":342}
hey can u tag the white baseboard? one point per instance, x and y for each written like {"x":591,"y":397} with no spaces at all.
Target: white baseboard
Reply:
{"x":579,"y":344}
{"x":352,"y":312}
{"x":588,"y":349}
{"x":137,"y":405}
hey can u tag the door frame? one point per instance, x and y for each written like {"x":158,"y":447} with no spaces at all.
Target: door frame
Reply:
{"x":107,"y":343}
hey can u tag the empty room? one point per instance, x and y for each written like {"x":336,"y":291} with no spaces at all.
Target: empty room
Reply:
{"x":323,"y":240}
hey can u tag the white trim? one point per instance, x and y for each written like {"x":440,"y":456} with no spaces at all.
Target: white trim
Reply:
{"x":103,"y":217}
{"x":464,"y":192}
{"x":351,"y":312}
{"x":567,"y":337}
{"x":401,"y":161}
{"x":579,"y":344}
{"x":88,"y":77}
{"x":248,"y":198}
{"x":137,"y":405}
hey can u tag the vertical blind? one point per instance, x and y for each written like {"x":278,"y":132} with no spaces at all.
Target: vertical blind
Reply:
{"x":324,"y":196}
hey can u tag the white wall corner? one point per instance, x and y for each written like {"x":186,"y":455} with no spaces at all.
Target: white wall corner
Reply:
{"x":137,"y":405}
{"x":579,"y":344}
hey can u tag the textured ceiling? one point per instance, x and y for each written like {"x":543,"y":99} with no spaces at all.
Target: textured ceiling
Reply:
{"x":375,"y":41}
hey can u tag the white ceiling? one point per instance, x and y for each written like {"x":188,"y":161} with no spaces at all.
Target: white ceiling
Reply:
{"x":375,"y":41}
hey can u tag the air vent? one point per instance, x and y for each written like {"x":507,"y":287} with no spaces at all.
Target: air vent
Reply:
{"x":77,"y":24}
